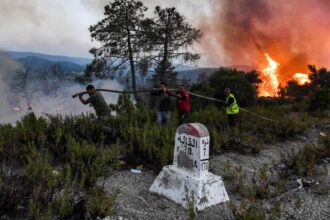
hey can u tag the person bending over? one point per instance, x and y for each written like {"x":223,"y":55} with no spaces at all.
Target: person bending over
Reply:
{"x":100,"y":106}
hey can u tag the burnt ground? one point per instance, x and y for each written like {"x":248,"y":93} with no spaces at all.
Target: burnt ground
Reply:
{"x":309,"y":202}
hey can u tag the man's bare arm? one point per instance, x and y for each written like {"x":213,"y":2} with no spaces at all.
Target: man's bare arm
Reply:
{"x":83,"y":101}
{"x":165,"y":92}
{"x":178,"y":96}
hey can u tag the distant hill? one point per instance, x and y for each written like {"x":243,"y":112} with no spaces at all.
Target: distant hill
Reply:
{"x":72,"y":65}
{"x":37,"y":63}
{"x":244,"y":68}
{"x":54,"y":58}
{"x":193,"y":74}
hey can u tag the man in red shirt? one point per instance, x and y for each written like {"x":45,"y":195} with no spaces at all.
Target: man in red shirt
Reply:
{"x":182,"y":103}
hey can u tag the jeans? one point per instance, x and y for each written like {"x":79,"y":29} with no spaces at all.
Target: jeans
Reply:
{"x":163,"y":117}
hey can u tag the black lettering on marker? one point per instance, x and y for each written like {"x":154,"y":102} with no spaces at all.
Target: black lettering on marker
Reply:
{"x":189,"y":151}
{"x":195,"y":164}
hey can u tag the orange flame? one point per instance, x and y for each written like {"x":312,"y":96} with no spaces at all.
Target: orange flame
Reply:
{"x":301,"y":78}
{"x":270,"y":83}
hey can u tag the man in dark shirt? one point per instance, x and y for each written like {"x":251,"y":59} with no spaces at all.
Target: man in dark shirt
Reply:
{"x":101,"y":108}
{"x":164,"y":112}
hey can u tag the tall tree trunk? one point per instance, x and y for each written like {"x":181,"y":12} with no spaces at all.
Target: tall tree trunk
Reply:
{"x":132,"y":65}
{"x":164,"y":61}
{"x":131,"y":61}
{"x":165,"y":55}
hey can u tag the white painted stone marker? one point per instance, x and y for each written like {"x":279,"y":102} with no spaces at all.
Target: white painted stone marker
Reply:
{"x":188,"y":177}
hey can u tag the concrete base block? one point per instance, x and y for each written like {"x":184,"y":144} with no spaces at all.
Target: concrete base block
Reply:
{"x":181,"y":186}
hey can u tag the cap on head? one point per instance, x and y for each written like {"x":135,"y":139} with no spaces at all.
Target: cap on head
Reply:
{"x":227,"y":90}
{"x":89,"y":87}
{"x":163,"y":84}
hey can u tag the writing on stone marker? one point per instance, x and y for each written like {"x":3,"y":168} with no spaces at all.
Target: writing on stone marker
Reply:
{"x":189,"y":141}
{"x":189,"y":173}
{"x":197,"y":149}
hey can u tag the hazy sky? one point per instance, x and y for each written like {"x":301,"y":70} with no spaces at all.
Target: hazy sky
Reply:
{"x":61,"y":26}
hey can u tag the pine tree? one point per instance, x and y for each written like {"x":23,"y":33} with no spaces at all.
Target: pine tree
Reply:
{"x":170,"y":37}
{"x":120,"y":36}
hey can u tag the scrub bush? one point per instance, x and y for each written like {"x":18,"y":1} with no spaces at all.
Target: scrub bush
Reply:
{"x":244,"y":91}
{"x":46,"y":164}
{"x":320,"y":100}
{"x":50,"y":166}
{"x":304,"y":161}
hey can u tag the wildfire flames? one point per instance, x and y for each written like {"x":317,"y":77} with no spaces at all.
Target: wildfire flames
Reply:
{"x":301,"y":78}
{"x":269,"y":76}
{"x":247,"y":29}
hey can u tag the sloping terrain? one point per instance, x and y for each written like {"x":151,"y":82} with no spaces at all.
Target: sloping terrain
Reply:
{"x":54,"y":58}
{"x":37,"y":63}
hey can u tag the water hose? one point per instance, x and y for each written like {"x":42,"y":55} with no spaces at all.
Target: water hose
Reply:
{"x":192,"y":94}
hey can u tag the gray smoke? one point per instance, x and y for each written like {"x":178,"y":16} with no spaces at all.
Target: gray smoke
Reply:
{"x":7,"y":67}
{"x":13,"y":105}
{"x":61,"y":26}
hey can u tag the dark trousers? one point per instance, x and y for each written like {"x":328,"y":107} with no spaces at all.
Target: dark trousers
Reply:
{"x":183,"y":116}
{"x":101,"y":120}
{"x":232,"y":119}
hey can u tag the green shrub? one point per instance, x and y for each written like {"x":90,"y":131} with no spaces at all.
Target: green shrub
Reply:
{"x":58,"y":158}
{"x":320,"y":100}
{"x":247,"y":211}
{"x":52,"y":160}
{"x":304,"y":161}
{"x":288,"y":127}
{"x":244,"y":91}
{"x":324,"y":143}
{"x":261,"y":185}
{"x":101,"y":205}
{"x":65,"y":203}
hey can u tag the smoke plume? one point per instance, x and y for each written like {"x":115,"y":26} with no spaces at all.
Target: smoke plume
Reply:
{"x":7,"y":67}
{"x":295,"y":33}
{"x":13,"y":105}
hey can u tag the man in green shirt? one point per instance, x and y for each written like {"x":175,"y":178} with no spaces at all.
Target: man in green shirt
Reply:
{"x":101,"y":108}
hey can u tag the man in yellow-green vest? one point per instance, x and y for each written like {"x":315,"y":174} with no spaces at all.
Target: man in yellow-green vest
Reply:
{"x":232,"y":108}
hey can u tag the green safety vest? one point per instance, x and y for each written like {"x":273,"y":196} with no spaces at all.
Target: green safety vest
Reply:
{"x":233,"y":108}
